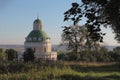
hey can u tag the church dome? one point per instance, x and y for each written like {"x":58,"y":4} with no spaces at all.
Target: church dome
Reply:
{"x":38,"y":21}
{"x":37,"y":24}
{"x":36,"y":36}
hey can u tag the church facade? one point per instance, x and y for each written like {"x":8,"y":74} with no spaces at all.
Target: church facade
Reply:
{"x":39,"y":41}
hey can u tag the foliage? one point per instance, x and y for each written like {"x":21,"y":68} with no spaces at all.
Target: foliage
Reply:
{"x":75,"y":37}
{"x":100,"y":55}
{"x":90,"y":34}
{"x":2,"y":54}
{"x":11,"y":54}
{"x":58,"y":71}
{"x":75,"y":14}
{"x":97,"y":13}
{"x":61,"y":55}
{"x":115,"y":54}
{"x":28,"y":55}
{"x":117,"y":50}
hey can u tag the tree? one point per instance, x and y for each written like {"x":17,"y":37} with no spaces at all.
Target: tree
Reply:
{"x":28,"y":55}
{"x":103,"y":55}
{"x":77,"y":39}
{"x":97,"y":13}
{"x":74,"y":37}
{"x":93,"y":34}
{"x":2,"y":54}
{"x":11,"y":54}
{"x":115,"y":54}
{"x":116,"y":50}
{"x":76,"y":13}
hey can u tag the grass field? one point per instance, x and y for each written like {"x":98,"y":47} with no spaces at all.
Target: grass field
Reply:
{"x":96,"y":71}
{"x":66,"y":71}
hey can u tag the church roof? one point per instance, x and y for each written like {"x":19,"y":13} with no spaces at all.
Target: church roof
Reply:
{"x":37,"y":21}
{"x":36,"y":36}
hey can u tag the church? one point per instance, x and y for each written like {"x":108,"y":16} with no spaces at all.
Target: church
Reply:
{"x":39,"y":41}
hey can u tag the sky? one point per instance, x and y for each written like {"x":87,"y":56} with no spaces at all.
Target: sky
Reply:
{"x":17,"y":16}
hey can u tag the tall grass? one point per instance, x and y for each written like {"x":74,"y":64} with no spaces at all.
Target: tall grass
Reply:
{"x":59,"y":71}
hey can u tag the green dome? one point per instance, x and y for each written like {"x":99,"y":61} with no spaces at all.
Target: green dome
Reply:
{"x":37,"y":21}
{"x":36,"y":36}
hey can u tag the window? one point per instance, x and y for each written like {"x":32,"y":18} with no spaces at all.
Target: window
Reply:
{"x":34,"y":38}
{"x":44,"y":49}
{"x":39,"y":39}
{"x":30,"y":39}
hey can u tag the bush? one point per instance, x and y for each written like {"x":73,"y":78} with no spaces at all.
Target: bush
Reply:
{"x":89,"y":56}
{"x":11,"y":54}
{"x":28,"y":55}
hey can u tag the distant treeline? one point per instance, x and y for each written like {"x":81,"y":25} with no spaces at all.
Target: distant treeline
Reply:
{"x":101,"y":55}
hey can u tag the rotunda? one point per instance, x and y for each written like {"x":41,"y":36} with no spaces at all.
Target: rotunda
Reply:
{"x":39,"y":41}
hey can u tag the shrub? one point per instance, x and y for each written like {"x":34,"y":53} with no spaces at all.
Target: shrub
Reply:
{"x":28,"y":55}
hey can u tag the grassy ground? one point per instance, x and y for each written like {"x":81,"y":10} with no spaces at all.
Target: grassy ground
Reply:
{"x":97,"y":71}
{"x":67,"y":71}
